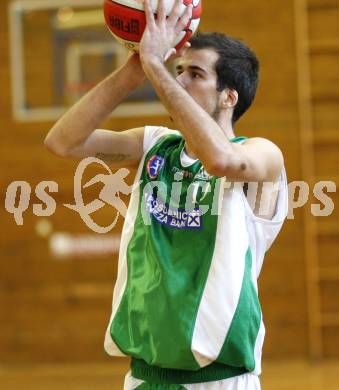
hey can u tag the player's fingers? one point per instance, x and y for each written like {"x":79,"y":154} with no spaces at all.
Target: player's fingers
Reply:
{"x":149,"y":13}
{"x":171,"y":53}
{"x":178,"y":53}
{"x":182,"y":51}
{"x":161,"y":12}
{"x":175,"y":13}
{"x":183,"y":21}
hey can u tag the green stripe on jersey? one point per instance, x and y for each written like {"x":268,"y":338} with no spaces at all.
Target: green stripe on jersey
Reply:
{"x":238,"y":349}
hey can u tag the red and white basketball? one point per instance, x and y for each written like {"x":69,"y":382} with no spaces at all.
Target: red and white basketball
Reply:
{"x":126,"y":20}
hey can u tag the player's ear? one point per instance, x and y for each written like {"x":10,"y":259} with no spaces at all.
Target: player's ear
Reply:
{"x":229,"y":98}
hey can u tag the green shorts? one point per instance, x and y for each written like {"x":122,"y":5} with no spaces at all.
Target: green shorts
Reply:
{"x":241,"y":382}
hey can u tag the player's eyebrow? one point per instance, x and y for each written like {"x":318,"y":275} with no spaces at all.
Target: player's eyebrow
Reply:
{"x":179,"y":67}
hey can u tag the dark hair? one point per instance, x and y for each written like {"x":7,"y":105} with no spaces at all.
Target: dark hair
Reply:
{"x":237,"y":67}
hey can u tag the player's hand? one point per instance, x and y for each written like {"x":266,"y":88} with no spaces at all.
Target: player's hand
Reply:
{"x":161,"y":33}
{"x":178,"y":53}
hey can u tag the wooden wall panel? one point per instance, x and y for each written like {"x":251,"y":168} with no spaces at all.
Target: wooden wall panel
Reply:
{"x":325,"y":76}
{"x":328,"y":251}
{"x":326,"y":118}
{"x":323,"y":59}
{"x":331,"y":340}
{"x":327,"y":160}
{"x":320,"y":30}
{"x":38,"y":58}
{"x":330,"y":296}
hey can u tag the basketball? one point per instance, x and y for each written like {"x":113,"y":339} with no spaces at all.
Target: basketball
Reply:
{"x":126,"y":20}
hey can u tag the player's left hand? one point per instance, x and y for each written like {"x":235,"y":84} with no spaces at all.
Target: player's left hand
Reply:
{"x":160,"y":33}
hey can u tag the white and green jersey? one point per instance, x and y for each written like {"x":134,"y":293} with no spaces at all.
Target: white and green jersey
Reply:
{"x":186,"y":293}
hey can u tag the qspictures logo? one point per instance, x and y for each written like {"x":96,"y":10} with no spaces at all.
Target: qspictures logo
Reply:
{"x":114,"y":184}
{"x":18,"y":197}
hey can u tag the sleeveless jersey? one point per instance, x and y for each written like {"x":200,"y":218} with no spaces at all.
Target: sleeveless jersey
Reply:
{"x":186,"y":294}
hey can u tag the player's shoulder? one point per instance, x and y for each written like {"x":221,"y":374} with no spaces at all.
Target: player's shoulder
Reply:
{"x":158,"y":130}
{"x":268,"y":153}
{"x":264,"y":145}
{"x":260,"y":141}
{"x":153,"y":134}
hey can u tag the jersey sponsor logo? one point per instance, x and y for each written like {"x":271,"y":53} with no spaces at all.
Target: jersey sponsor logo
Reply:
{"x":203,"y":175}
{"x":185,"y":174}
{"x":173,"y":218}
{"x":154,"y":165}
{"x":194,"y":219}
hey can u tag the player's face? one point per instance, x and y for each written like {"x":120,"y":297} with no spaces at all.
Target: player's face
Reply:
{"x":196,"y":74}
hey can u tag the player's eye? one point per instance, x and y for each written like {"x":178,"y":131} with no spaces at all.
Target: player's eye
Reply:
{"x":195,"y":75}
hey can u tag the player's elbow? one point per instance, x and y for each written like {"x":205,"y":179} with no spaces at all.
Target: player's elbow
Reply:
{"x":54,"y":148}
{"x":227,"y":166}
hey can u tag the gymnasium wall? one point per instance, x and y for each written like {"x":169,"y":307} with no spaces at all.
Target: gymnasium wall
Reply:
{"x":57,"y":310}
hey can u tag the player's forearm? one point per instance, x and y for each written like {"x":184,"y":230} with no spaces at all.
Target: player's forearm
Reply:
{"x":203,"y":135}
{"x":74,"y":127}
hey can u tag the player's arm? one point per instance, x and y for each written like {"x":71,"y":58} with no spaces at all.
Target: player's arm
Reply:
{"x":123,"y":148}
{"x":76,"y":134}
{"x":256,"y":160}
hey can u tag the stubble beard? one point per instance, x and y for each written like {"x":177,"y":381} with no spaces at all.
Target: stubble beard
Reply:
{"x":216,"y":113}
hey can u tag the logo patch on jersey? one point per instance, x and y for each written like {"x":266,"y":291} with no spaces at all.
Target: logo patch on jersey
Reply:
{"x":203,"y":175}
{"x":194,"y":219}
{"x":173,"y":218}
{"x":154,"y":165}
{"x":185,"y":174}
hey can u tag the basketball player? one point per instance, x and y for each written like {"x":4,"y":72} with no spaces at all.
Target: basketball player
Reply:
{"x":185,"y":304}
